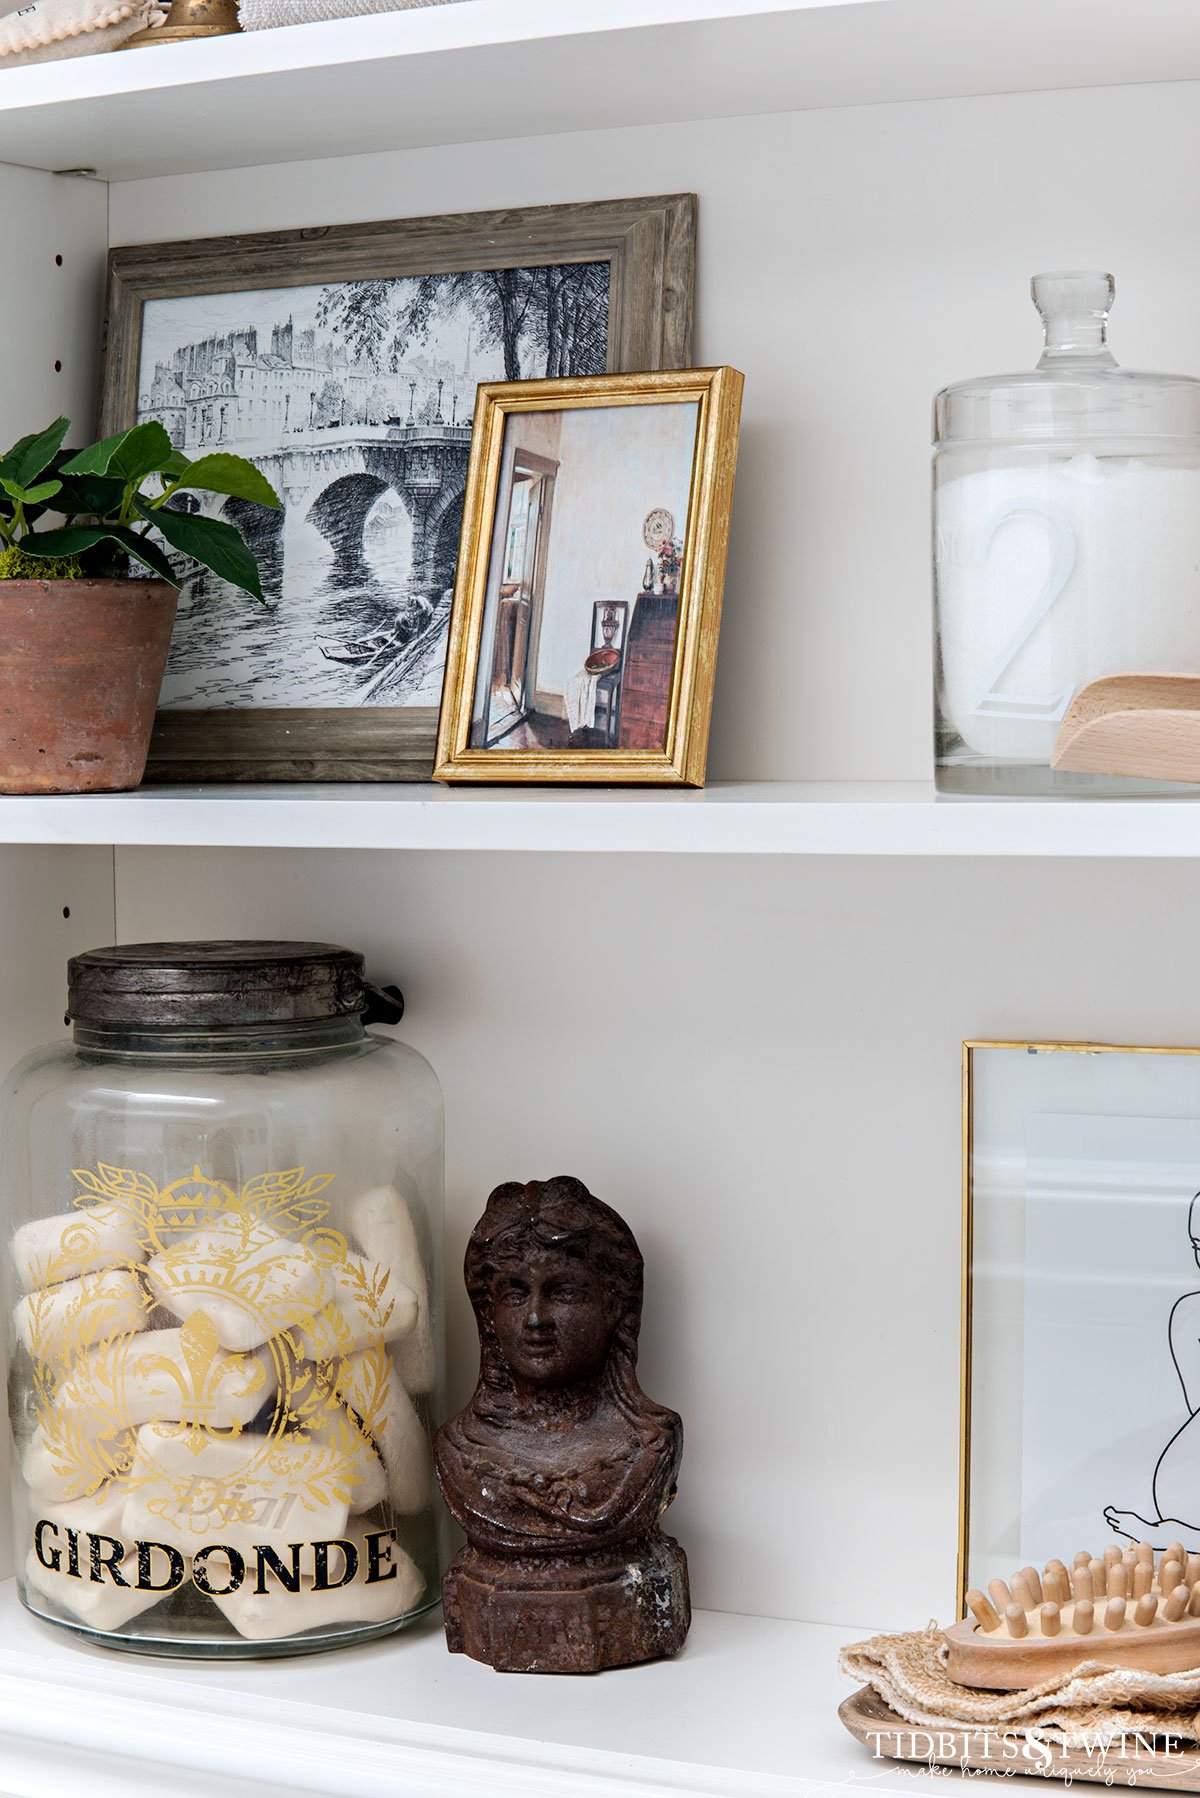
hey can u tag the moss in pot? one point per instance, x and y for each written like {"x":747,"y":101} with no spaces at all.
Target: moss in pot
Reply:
{"x":83,"y":635}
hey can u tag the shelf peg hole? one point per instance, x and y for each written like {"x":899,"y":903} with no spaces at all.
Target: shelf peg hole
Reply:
{"x":66,"y":911}
{"x":57,"y":366}
{"x":58,"y":261}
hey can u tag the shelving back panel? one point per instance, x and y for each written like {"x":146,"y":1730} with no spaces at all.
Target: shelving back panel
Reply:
{"x":756,"y":1060}
{"x":850,"y":263}
{"x":50,"y":309}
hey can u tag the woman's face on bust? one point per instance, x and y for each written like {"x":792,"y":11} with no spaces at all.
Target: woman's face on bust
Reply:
{"x":553,"y":1320}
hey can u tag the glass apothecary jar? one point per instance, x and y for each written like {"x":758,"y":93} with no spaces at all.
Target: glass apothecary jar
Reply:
{"x":1066,"y":538}
{"x":222,"y":1281}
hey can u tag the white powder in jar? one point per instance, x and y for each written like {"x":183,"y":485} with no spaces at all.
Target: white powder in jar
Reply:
{"x":1051,"y":574}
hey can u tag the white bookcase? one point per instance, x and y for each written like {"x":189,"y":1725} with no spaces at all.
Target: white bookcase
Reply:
{"x":737,"y":1013}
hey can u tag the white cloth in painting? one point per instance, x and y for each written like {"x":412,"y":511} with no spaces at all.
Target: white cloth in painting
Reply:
{"x":262,"y":15}
{"x":581,"y":700}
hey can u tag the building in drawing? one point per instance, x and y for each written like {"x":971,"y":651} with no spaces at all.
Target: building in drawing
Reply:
{"x":227,"y":391}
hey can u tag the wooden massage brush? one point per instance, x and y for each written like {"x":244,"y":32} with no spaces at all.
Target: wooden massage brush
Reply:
{"x":1127,"y":1610}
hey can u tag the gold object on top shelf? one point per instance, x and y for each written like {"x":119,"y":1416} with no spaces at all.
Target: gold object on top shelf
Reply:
{"x":187,"y":19}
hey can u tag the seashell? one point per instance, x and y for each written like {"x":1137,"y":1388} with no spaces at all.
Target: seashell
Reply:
{"x":49,"y":29}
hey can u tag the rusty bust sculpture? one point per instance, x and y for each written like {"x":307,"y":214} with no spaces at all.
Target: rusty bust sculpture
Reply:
{"x":560,"y":1467}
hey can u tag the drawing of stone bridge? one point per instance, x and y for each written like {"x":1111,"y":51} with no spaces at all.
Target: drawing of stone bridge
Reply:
{"x":334,"y":477}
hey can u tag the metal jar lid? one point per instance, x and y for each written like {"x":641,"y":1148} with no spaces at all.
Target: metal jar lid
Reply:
{"x":215,"y":986}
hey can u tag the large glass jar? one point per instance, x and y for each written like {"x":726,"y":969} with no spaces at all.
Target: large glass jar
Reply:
{"x":222,"y":1254}
{"x":1066,"y":527}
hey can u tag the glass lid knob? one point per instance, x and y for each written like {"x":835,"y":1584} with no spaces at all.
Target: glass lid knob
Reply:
{"x":1074,"y":308}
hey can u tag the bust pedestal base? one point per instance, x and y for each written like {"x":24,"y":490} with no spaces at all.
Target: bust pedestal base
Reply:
{"x":530,"y":1615}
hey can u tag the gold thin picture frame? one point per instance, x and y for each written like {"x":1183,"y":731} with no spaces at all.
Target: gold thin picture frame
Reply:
{"x":969,"y":1050}
{"x":717,"y":393}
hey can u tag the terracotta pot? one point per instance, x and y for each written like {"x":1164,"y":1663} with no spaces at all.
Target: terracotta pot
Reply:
{"x":81,"y":663}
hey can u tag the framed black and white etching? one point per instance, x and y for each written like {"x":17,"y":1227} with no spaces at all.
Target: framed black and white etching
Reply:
{"x":344,"y":362}
{"x":1081,"y":1303}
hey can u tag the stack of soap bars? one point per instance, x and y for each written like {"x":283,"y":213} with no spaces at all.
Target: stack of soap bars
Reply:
{"x":228,"y":1422}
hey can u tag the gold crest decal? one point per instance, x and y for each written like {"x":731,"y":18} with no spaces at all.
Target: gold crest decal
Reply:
{"x":197,"y":1366}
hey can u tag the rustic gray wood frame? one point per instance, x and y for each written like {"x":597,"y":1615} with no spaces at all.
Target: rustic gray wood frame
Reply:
{"x":649,"y":245}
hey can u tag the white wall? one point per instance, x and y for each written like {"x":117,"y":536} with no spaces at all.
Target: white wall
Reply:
{"x":764,"y":1075}
{"x":757,"y":1061}
{"x":851,"y":262}
{"x":615,"y":465}
{"x":51,"y":311}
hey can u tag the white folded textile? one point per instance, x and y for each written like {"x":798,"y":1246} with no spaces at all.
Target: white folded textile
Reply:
{"x":261,"y":15}
{"x":580,"y":699}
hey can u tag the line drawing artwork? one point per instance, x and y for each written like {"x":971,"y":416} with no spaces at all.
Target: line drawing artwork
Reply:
{"x":355,"y":400}
{"x":1176,"y":1482}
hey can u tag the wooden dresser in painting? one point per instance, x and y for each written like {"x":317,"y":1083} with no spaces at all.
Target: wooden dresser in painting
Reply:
{"x":646,"y":680}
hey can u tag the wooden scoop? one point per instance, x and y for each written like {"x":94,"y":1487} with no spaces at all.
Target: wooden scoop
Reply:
{"x":1143,"y":725}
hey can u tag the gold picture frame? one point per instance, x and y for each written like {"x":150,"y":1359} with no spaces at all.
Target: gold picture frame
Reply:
{"x":217,"y":339}
{"x":656,"y":685}
{"x":1069,"y":1094}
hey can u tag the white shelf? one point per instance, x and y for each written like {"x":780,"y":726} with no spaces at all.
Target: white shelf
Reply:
{"x":758,"y":818}
{"x":748,"y":1710}
{"x":487,"y":69}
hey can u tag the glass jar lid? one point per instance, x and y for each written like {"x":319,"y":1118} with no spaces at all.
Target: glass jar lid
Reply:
{"x":1077,"y":392}
{"x":222,"y":985}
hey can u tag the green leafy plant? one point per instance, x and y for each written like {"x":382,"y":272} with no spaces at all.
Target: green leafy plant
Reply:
{"x":106,"y":518}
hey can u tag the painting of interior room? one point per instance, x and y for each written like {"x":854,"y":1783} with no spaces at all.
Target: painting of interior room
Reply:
{"x":581,"y":611}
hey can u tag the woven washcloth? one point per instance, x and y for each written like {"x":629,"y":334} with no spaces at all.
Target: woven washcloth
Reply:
{"x":909,"y":1673}
{"x":263,"y":15}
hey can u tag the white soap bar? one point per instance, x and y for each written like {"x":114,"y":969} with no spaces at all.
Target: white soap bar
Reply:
{"x":367,"y":1304}
{"x":102,"y":1605}
{"x":384,"y":1583}
{"x":51,"y":1249}
{"x":371,"y":1386}
{"x":66,"y":1463}
{"x":191,"y":1491}
{"x":382,"y":1224}
{"x":358,"y":1467}
{"x":166,"y":1375}
{"x":60,"y":1323}
{"x":250,"y":1282}
{"x":102,"y":1511}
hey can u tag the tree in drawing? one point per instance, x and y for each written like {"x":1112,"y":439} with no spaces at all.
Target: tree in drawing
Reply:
{"x":557,"y":316}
